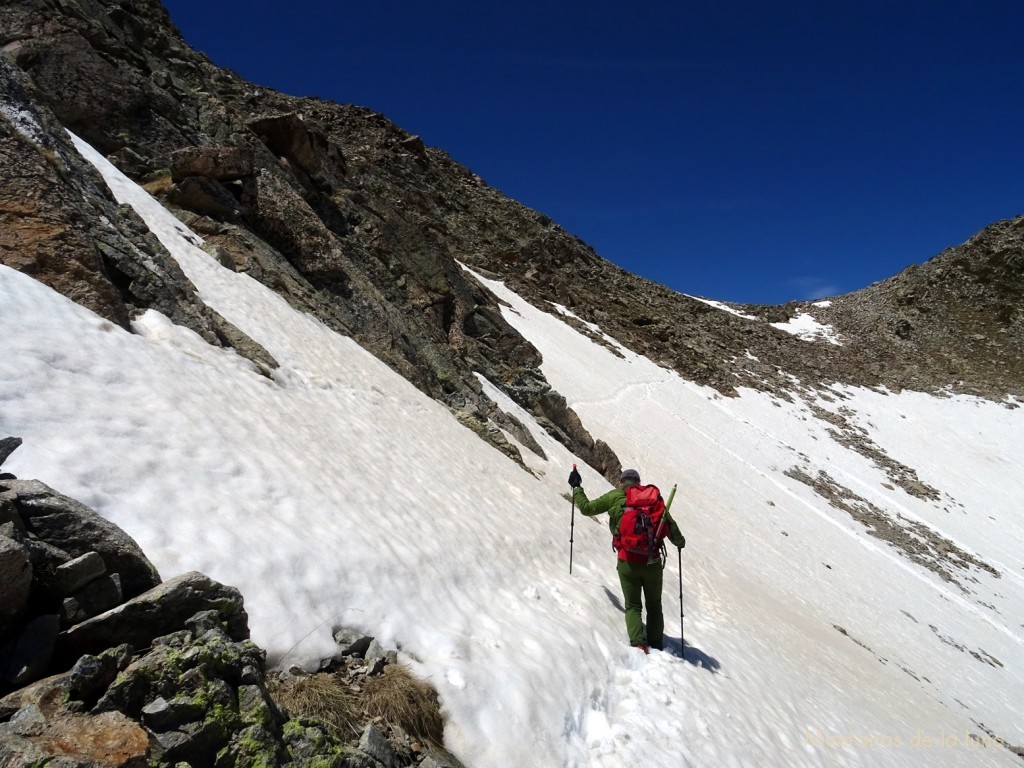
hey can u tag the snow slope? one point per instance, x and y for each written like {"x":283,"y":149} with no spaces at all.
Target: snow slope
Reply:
{"x":337,"y":493}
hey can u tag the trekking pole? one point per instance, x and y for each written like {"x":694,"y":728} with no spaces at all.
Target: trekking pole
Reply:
{"x":572,"y":525}
{"x":682,"y":641}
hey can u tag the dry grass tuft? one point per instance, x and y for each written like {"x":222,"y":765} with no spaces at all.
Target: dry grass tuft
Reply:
{"x":318,"y":696}
{"x":159,"y":185}
{"x":395,"y":697}
{"x":402,"y":700}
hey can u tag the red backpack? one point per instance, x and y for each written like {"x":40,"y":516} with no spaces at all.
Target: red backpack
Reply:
{"x":643,"y":528}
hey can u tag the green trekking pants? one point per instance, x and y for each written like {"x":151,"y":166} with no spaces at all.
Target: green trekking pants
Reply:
{"x":641,"y":585}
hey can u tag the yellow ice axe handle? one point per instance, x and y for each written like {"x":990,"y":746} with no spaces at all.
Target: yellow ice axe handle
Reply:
{"x":671,"y":496}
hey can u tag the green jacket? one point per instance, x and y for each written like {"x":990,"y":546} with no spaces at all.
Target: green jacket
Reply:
{"x":614,"y":503}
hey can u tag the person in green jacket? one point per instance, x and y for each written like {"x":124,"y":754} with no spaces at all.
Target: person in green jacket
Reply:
{"x":640,"y":581}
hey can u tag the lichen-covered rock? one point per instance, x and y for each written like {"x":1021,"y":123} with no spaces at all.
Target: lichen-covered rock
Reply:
{"x":162,"y":609}
{"x":92,"y":675}
{"x":197,"y":692}
{"x":305,"y":739}
{"x":252,"y":746}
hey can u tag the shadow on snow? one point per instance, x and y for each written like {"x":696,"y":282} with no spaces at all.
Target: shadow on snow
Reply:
{"x":676,"y":647}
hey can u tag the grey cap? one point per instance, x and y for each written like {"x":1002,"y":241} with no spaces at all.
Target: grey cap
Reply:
{"x":629,"y":475}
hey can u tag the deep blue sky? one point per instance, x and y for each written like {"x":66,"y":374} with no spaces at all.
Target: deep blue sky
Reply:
{"x":737,"y":149}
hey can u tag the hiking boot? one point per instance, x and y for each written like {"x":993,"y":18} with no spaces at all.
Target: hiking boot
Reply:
{"x":642,"y":648}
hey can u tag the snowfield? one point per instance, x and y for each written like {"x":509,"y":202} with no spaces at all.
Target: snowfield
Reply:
{"x":338,"y":494}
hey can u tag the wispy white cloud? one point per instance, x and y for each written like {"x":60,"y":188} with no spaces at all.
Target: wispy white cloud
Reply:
{"x":813,"y":288}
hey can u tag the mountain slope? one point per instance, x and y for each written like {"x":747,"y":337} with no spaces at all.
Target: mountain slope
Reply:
{"x":809,"y":641}
{"x":853,"y":576}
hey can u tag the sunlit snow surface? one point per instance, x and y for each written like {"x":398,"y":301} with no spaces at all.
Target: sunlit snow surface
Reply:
{"x":339,"y":494}
{"x":806,"y":327}
{"x":724,"y":307}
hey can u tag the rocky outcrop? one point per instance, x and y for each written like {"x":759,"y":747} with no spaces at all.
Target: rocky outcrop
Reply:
{"x":59,"y":224}
{"x":61,"y":564}
{"x":169,"y":676}
{"x":161,"y":610}
{"x":60,"y":529}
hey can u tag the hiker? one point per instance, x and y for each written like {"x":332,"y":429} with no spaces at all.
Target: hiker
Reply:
{"x":640,"y":567}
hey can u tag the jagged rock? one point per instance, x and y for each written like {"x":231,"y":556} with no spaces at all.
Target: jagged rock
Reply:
{"x":162,"y":609}
{"x":15,"y":579}
{"x":92,"y":675}
{"x":186,"y":732}
{"x":204,"y":621}
{"x":13,"y":526}
{"x":254,"y":745}
{"x":71,"y":576}
{"x":46,"y":559}
{"x":185,"y":689}
{"x":160,"y":715}
{"x":304,"y":148}
{"x":28,"y":656}
{"x":219,"y":163}
{"x":304,"y":740}
{"x":76,"y":529}
{"x":199,"y":688}
{"x":245,"y":346}
{"x":76,"y":689}
{"x":255,"y":706}
{"x":59,"y":223}
{"x":352,"y":642}
{"x":8,"y":445}
{"x":204,"y":196}
{"x":376,"y":658}
{"x":375,"y":744}
{"x":438,"y":757}
{"x":100,"y":595}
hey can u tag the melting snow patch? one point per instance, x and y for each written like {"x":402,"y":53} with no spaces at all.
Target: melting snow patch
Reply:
{"x":569,"y":313}
{"x":809,"y":329}
{"x":723,"y":307}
